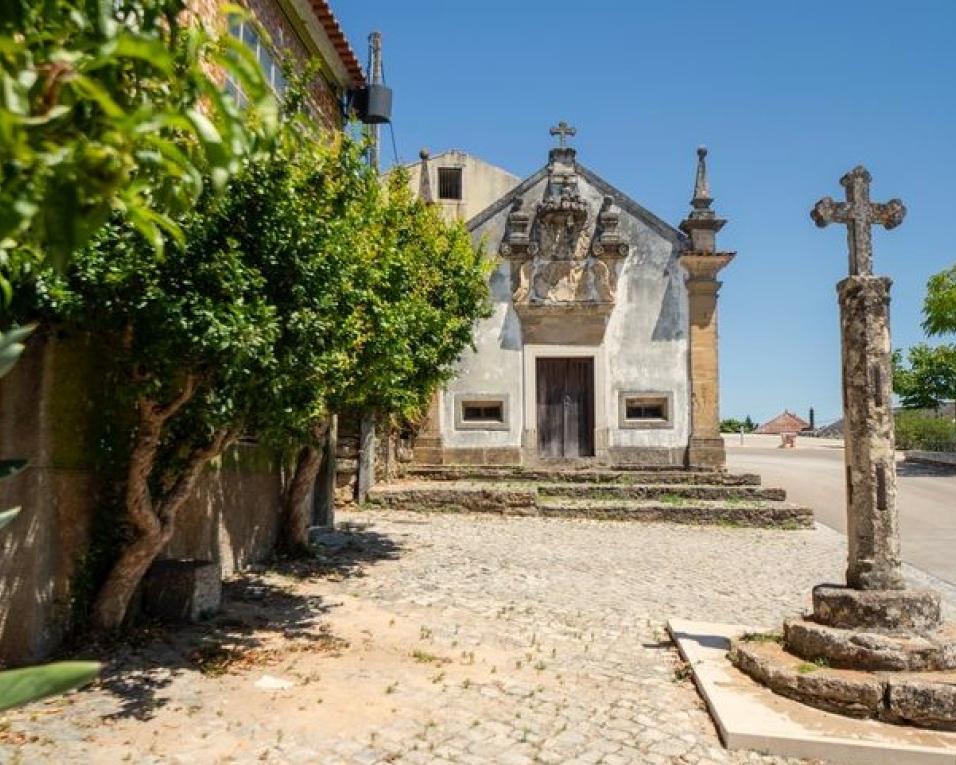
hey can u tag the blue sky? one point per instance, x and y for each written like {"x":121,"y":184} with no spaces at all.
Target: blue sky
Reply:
{"x":787,"y":97}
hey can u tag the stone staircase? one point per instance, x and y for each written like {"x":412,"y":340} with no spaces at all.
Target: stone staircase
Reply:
{"x":662,"y":494}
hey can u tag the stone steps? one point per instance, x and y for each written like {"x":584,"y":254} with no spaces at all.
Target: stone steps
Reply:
{"x":524,"y":498}
{"x":667,"y":492}
{"x":694,"y":512}
{"x":631,"y":476}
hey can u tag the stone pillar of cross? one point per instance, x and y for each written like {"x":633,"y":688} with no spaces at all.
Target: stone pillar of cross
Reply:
{"x":872,"y":517}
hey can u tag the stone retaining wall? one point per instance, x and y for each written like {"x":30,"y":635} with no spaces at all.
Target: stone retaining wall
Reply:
{"x":51,"y":407}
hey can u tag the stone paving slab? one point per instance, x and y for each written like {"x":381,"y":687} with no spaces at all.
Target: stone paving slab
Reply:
{"x":750,"y":716}
{"x":443,"y":638}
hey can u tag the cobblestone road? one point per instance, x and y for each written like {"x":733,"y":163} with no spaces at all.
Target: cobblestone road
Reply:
{"x":445,"y":639}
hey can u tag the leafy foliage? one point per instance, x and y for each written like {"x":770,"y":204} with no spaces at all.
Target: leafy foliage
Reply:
{"x":734,"y":425}
{"x":939,"y":308}
{"x":304,"y":288}
{"x":928,"y":379}
{"x":106,"y":106}
{"x":917,"y":430}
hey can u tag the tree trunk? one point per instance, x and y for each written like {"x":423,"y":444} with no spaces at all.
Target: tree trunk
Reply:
{"x":153,"y":522}
{"x":297,"y":510}
{"x":113,"y":599}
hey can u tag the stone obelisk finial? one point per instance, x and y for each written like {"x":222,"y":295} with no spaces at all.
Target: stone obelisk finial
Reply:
{"x":872,"y":517}
{"x":702,"y":261}
{"x":702,"y":224}
{"x":424,"y":179}
{"x":702,"y":198}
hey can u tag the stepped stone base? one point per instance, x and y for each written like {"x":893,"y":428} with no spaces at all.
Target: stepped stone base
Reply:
{"x":879,"y":610}
{"x":872,"y":651}
{"x":923,"y":699}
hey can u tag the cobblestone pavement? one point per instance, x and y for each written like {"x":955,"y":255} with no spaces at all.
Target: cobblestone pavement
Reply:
{"x":444,"y":639}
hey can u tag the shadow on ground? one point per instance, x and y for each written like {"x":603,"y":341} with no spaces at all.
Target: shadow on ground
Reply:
{"x":911,"y":468}
{"x":264,"y":617}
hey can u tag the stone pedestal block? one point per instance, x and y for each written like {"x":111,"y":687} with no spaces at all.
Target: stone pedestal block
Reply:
{"x":871,"y":651}
{"x":706,"y":452}
{"x":182,"y":590}
{"x":913,"y":611}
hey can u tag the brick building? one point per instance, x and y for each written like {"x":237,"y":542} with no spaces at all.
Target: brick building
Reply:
{"x":304,"y":30}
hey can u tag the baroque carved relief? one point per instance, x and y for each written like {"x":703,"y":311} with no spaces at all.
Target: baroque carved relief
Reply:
{"x":564,"y":256}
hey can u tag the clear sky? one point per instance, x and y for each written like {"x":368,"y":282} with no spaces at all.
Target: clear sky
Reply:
{"x":787,"y":97}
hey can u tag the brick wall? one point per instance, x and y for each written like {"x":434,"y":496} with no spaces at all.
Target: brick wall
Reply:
{"x":286,"y":40}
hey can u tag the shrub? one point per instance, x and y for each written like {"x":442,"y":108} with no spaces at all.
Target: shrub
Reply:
{"x":915,"y":430}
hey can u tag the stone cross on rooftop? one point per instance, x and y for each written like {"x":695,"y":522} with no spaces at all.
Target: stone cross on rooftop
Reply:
{"x":563,"y":130}
{"x":858,"y":213}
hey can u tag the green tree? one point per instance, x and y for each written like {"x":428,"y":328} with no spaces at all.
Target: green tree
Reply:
{"x":302,"y":290}
{"x":939,"y":307}
{"x":189,"y":333}
{"x":109,"y":106}
{"x":927,"y":379}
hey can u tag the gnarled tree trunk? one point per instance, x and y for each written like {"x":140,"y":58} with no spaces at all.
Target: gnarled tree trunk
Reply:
{"x":297,"y":511}
{"x":154,"y":522}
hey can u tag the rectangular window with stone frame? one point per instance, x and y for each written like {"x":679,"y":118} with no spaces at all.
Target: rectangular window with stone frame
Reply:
{"x":481,"y":412}
{"x":645,"y":409}
{"x":449,"y":183}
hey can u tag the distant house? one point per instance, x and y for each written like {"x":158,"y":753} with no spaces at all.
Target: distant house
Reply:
{"x":787,"y":422}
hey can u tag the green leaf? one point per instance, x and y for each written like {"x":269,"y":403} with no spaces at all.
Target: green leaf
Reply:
{"x":128,"y":45}
{"x":21,"y":686}
{"x":8,"y":515}
{"x":11,"y":346}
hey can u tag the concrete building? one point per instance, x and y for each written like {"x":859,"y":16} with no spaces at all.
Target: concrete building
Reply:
{"x":462,"y":185}
{"x":603,"y":341}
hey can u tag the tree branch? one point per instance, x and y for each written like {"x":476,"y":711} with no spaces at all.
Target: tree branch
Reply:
{"x":186,"y":482}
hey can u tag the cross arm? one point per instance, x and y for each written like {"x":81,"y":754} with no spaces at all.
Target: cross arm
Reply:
{"x":890,"y":214}
{"x":828,"y":211}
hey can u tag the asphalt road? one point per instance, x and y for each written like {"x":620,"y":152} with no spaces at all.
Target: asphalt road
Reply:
{"x":813,"y":476}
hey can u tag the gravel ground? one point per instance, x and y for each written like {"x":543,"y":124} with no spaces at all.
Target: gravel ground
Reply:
{"x":442,"y":639}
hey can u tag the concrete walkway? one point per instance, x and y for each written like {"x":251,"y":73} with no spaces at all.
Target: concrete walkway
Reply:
{"x":812,"y":474}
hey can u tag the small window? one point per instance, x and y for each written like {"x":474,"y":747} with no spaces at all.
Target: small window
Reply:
{"x":449,"y":183}
{"x":645,"y":410}
{"x":482,"y":411}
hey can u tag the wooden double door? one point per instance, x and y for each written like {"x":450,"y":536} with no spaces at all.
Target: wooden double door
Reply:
{"x":565,"y":394}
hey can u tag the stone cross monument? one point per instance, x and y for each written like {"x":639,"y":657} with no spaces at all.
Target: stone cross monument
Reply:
{"x":872,"y":517}
{"x":892,"y":635}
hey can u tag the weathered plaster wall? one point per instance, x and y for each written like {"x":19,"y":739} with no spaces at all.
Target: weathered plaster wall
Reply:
{"x":482,"y":183}
{"x":644,"y":349}
{"x":51,"y":407}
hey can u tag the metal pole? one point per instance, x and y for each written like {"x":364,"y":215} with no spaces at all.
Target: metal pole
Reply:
{"x":375,"y":54}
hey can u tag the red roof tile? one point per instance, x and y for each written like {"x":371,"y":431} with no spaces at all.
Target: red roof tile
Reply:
{"x":787,"y":422}
{"x":333,"y":29}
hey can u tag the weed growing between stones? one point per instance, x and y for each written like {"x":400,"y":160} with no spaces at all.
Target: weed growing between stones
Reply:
{"x":762,"y":637}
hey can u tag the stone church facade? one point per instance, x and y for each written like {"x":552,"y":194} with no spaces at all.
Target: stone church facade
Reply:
{"x":602,"y":346}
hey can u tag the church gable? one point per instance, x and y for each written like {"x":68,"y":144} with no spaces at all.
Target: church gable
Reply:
{"x":566,"y":238}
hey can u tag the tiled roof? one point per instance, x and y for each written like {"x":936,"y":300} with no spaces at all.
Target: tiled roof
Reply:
{"x":787,"y":422}
{"x":333,"y":29}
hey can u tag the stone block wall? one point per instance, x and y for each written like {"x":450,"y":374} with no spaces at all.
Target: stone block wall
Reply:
{"x":50,"y":413}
